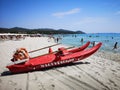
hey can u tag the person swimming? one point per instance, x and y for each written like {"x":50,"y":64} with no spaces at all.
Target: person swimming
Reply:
{"x":115,"y":45}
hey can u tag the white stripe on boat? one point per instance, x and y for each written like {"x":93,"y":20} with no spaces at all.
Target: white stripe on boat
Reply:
{"x":56,"y":63}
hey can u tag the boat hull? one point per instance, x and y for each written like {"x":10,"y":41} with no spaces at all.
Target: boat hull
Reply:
{"x":28,"y":68}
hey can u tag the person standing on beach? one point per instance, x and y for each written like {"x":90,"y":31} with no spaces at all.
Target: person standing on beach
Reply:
{"x":57,"y":39}
{"x":115,"y":45}
{"x":93,"y":43}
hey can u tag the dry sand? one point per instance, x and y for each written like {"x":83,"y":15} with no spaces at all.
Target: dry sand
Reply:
{"x":93,"y":73}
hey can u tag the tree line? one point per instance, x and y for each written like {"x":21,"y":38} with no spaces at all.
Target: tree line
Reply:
{"x":40,"y":31}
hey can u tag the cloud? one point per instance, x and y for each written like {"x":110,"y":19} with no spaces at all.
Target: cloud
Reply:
{"x":62,"y":14}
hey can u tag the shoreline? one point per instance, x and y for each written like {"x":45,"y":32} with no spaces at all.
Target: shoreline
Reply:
{"x":108,"y":55}
{"x":92,"y":73}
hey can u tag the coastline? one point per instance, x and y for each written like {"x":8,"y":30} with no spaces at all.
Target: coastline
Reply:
{"x":99,"y":73}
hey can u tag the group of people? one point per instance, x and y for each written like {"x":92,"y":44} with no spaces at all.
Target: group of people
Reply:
{"x":22,"y":53}
{"x":93,"y":44}
{"x":55,"y":39}
{"x":18,"y":36}
{"x":11,"y":37}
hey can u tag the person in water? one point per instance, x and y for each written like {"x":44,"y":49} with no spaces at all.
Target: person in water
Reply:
{"x":115,"y":45}
{"x":81,"y":40}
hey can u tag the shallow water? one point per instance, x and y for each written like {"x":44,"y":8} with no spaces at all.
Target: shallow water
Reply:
{"x":108,"y":40}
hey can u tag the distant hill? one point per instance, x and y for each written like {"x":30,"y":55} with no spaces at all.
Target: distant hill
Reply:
{"x":40,"y":31}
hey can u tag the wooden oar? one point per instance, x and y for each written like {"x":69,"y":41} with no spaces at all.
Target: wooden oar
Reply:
{"x":44,"y":48}
{"x":53,"y":52}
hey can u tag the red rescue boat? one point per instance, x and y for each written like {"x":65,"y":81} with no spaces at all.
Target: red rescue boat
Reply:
{"x":63,"y":56}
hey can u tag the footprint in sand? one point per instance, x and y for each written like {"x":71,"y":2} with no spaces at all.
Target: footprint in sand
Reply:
{"x":113,"y":70}
{"x":12,"y":83}
{"x":0,"y":81}
{"x":118,"y":68}
{"x":97,"y":73}
{"x":112,"y":82}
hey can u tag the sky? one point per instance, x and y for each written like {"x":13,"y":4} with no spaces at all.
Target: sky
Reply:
{"x":90,"y":16}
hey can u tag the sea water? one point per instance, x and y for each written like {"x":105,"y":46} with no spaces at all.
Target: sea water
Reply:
{"x":108,"y":40}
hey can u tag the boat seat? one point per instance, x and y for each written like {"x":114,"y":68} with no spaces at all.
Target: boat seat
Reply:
{"x":63,"y":51}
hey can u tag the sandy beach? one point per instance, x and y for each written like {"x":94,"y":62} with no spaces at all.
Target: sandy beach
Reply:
{"x":97,"y":72}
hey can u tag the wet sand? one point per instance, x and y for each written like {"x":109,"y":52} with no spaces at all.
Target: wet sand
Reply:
{"x":93,"y":73}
